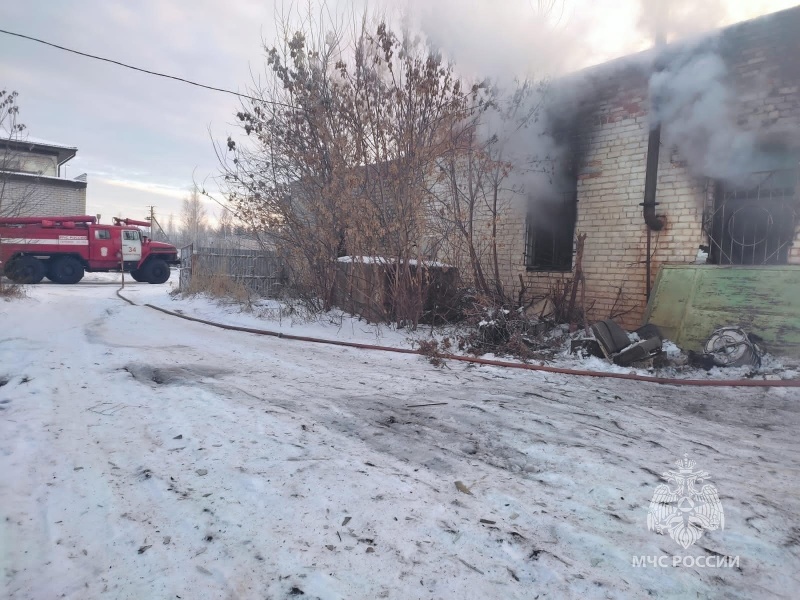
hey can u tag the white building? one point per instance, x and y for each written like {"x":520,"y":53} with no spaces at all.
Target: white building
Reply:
{"x":32,"y":180}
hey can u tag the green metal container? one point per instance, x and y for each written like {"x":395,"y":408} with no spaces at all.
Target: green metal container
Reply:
{"x":689,"y":302}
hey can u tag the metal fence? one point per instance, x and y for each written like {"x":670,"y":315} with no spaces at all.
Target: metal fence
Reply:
{"x":262,"y":272}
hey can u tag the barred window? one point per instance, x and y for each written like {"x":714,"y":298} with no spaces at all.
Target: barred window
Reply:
{"x":753,"y":222}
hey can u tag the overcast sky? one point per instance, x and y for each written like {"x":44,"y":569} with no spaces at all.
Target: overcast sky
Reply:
{"x":143,"y":140}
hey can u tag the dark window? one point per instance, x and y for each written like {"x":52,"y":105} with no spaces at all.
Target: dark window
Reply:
{"x":102,"y":234}
{"x":550,"y":232}
{"x":754,"y":221}
{"x":553,"y":199}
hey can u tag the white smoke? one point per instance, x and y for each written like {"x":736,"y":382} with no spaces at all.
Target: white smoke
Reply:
{"x":693,"y":98}
{"x":694,"y":103}
{"x":505,"y":39}
{"x":672,"y":20}
{"x":519,"y":124}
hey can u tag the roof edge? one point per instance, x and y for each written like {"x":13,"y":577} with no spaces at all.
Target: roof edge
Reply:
{"x":63,"y":153}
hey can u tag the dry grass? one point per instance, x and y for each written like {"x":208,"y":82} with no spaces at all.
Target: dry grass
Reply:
{"x":12,"y":291}
{"x":217,"y":285}
{"x":432,"y":350}
{"x":298,"y":311}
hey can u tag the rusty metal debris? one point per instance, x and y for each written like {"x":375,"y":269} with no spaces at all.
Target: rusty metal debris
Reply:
{"x":733,"y":347}
{"x":623,"y":349}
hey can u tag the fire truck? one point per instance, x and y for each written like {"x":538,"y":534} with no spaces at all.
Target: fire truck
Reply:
{"x":63,"y":248}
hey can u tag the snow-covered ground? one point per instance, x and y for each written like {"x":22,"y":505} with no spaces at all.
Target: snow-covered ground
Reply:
{"x":272,"y":315}
{"x":146,"y":456}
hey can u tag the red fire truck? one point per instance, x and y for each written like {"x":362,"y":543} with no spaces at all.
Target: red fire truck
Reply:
{"x":63,"y":248}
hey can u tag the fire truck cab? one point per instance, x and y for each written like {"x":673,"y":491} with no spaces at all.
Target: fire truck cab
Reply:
{"x":62,"y":249}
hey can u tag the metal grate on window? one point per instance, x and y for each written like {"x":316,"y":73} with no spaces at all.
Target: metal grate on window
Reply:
{"x":754,"y":222}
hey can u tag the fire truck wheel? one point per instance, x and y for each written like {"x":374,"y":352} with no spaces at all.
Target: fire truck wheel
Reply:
{"x":137,"y":275}
{"x":25,"y":269}
{"x":156,"y":271}
{"x":49,"y":272}
{"x":66,"y":270}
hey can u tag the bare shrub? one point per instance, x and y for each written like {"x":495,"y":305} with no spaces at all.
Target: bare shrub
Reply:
{"x":430,"y":349}
{"x":336,"y":152}
{"x":498,"y":329}
{"x":12,"y":291}
{"x":558,"y":297}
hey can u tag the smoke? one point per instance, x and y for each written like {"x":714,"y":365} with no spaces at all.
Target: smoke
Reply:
{"x":670,"y":20}
{"x":517,"y":46}
{"x":692,"y":97}
{"x":693,"y":102}
{"x":505,"y":39}
{"x":511,"y":41}
{"x":525,"y":138}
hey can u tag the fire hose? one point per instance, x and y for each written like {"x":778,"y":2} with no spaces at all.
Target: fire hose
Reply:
{"x":779,"y":383}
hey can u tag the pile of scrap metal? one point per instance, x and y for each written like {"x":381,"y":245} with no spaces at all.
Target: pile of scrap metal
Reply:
{"x":617,"y":345}
{"x":726,"y":347}
{"x":729,"y":347}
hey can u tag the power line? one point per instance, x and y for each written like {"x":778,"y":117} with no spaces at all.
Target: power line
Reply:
{"x":141,"y":70}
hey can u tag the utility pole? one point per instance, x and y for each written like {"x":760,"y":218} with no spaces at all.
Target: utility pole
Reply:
{"x":155,"y":225}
